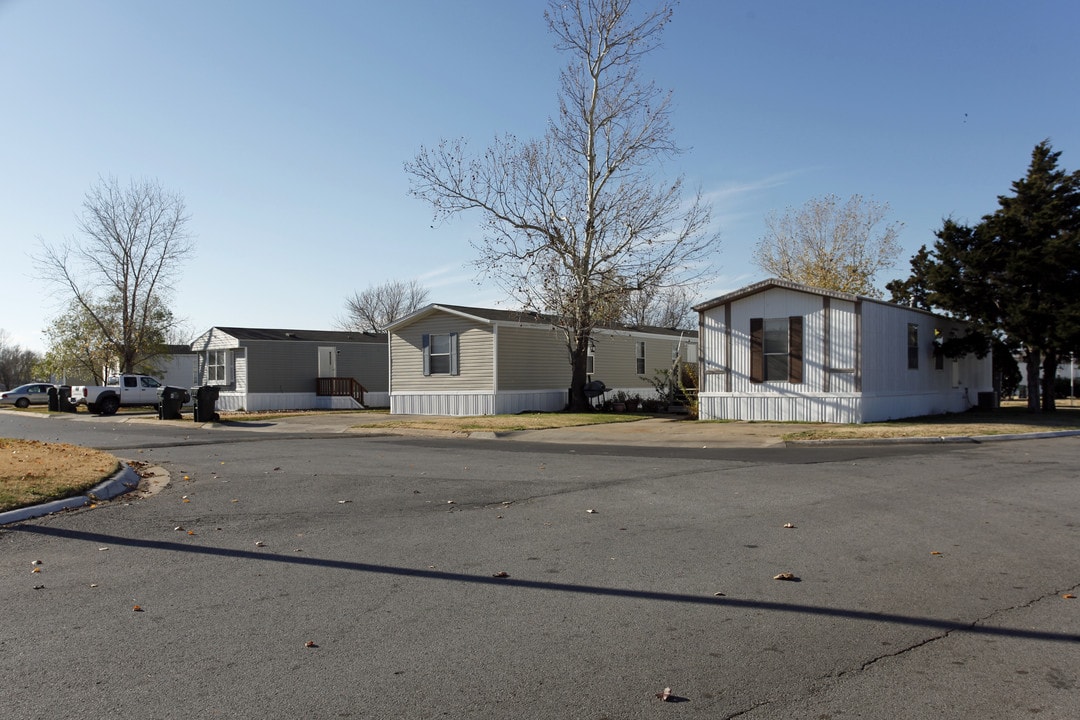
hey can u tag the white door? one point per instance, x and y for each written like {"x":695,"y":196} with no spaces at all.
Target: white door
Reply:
{"x":327,"y":362}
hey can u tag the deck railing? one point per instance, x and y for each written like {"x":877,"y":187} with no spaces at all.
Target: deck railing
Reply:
{"x":340,"y":387}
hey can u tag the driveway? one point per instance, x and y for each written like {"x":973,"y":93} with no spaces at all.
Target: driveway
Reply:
{"x":319,"y":574}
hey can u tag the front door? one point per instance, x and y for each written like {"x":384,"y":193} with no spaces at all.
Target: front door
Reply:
{"x":327,"y":362}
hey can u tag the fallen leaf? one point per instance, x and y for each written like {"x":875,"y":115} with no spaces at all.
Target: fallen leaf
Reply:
{"x":36,"y":562}
{"x":500,"y":574}
{"x":342,"y":502}
{"x":136,"y":608}
{"x":310,"y":644}
{"x":190,"y":532}
{"x":179,"y":528}
{"x":260,"y":543}
{"x":1068,"y":596}
{"x":102,"y":549}
{"x":36,"y":570}
{"x":277,"y":468}
{"x":187,"y":477}
{"x":451,"y":502}
{"x":718,"y":595}
{"x":934,"y":552}
{"x":666,"y":695}
{"x":93,"y":585}
{"x":784,"y":576}
{"x":591,"y":511}
{"x":788,"y":525}
{"x":39,"y":587}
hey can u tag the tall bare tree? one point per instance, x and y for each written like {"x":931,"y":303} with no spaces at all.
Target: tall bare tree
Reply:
{"x":578,"y":220}
{"x":830,"y":244}
{"x":666,"y":307}
{"x":132,"y":246}
{"x":373,"y":309}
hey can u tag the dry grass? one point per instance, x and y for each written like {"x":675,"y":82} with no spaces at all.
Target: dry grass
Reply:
{"x":504,"y":423}
{"x":33,"y":472}
{"x":1007,"y":420}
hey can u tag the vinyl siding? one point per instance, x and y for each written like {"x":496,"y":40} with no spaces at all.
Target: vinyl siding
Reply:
{"x":532,"y":358}
{"x":615,"y":359}
{"x":475,"y":356}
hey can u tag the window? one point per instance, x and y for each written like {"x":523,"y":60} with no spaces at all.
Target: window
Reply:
{"x":131,"y":381}
{"x":440,"y":354}
{"x":149,"y":382}
{"x":912,"y":346}
{"x":776,"y":349}
{"x":590,"y":357}
{"x":215,"y":366}
{"x":640,"y":358}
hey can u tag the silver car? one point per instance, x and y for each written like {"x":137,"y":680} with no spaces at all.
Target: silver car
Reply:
{"x":26,"y":395}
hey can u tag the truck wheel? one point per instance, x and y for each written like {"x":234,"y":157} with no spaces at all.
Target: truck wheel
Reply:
{"x":91,"y":408}
{"x":109,"y":406}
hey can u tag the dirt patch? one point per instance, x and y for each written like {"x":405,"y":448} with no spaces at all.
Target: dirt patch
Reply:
{"x":33,"y":472}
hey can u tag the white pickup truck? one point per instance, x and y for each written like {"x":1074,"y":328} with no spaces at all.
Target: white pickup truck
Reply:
{"x":118,"y":391}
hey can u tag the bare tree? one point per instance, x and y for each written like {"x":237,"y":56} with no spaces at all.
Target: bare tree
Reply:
{"x":133,"y":243}
{"x":829,"y":244}
{"x":577,"y":221}
{"x":16,"y":363}
{"x":667,"y":308}
{"x":373,"y":309}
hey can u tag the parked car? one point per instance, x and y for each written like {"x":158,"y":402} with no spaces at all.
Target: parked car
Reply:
{"x":26,"y":395}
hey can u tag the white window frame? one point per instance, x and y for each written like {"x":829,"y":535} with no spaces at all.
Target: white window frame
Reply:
{"x":217,"y":367}
{"x":639,"y":357}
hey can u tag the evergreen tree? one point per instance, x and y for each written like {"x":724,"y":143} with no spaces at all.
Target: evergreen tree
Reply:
{"x":1014,"y":275}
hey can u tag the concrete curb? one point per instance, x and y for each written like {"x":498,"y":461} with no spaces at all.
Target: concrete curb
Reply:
{"x":125,"y":480}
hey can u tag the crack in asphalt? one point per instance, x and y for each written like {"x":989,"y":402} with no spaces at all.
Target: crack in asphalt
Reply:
{"x":915,"y":646}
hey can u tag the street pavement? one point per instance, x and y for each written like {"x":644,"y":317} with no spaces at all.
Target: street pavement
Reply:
{"x":297,"y":570}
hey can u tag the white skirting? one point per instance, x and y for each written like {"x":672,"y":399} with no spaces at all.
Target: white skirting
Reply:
{"x":829,"y":407}
{"x":474,"y":403}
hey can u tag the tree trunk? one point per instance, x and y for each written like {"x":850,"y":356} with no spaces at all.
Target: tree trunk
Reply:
{"x":1049,"y":380}
{"x":579,"y":358}
{"x":1034,"y":368}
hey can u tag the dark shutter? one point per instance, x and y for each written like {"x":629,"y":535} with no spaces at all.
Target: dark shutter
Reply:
{"x":427,"y":354}
{"x":757,"y":350}
{"x":795,"y":329}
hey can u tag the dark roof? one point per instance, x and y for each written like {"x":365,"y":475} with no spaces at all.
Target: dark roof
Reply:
{"x":338,"y":336}
{"x":523,"y":316}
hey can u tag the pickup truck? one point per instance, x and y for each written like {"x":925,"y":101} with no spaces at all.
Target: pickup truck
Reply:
{"x":118,"y":391}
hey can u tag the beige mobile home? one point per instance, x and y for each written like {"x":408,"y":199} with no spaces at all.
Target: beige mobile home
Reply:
{"x":454,"y":360}
{"x":780,"y":351}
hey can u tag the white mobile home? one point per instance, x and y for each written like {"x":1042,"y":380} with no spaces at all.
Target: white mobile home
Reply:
{"x":454,"y":360}
{"x":781,"y":351}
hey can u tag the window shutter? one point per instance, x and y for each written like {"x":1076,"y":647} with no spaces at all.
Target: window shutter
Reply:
{"x":427,"y":354}
{"x":795,"y":332}
{"x":757,"y":350}
{"x":453,"y":353}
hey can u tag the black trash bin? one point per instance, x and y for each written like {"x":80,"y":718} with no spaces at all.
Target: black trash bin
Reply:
{"x":170,"y":401}
{"x":206,"y":398}
{"x":63,"y":399}
{"x":54,"y":399}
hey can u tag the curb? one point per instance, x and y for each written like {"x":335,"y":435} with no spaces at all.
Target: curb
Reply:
{"x":125,"y":480}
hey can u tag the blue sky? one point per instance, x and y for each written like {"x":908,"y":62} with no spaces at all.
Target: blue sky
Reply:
{"x":285,"y":125}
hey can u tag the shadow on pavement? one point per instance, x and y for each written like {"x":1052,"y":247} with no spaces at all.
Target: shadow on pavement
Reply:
{"x":946,"y":626}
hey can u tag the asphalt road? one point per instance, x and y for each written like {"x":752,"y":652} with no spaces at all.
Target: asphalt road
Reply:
{"x":929,"y":581}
